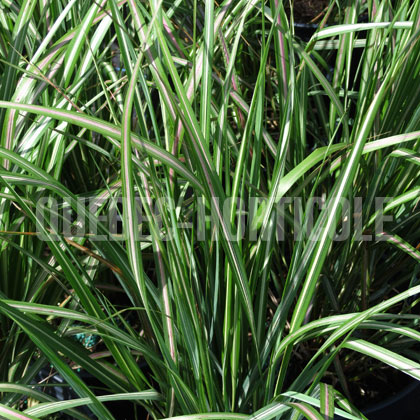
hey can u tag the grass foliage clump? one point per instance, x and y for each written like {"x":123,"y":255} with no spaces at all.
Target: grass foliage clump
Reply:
{"x":208,"y":213}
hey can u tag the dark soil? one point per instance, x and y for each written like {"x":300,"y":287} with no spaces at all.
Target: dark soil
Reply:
{"x":309,"y":11}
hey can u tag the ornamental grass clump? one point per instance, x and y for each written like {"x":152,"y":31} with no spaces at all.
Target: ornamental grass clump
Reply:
{"x":210,"y":216}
